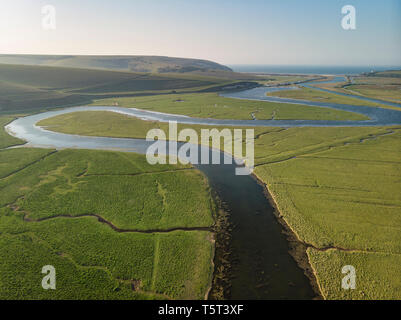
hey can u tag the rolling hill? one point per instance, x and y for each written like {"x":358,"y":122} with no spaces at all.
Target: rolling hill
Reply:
{"x":149,"y":64}
{"x":25,"y":87}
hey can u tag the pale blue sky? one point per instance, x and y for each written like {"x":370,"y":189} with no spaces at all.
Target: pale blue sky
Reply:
{"x":229,"y":32}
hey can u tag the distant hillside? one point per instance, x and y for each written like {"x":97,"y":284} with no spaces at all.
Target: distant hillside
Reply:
{"x":148,"y":64}
{"x":24,"y":87}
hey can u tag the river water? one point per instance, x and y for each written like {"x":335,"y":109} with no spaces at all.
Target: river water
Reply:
{"x":263,"y":268}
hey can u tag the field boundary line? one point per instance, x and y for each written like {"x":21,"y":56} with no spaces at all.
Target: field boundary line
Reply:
{"x":134,"y":174}
{"x":115,"y":228}
{"x":29,"y":164}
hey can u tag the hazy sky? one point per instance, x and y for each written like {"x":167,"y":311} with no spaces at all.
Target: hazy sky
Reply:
{"x":229,"y":32}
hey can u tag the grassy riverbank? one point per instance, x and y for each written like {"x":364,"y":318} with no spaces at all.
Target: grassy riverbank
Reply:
{"x":111,"y":232}
{"x":337,"y":188}
{"x":321,"y":96}
{"x":5,"y":139}
{"x":380,"y":85}
{"x":211,"y":105}
{"x":343,"y":203}
{"x":383,"y":85}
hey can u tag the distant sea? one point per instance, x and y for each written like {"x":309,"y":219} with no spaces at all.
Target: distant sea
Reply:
{"x":294,"y":69}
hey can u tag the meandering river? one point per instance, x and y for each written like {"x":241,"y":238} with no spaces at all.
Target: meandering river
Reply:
{"x":263,"y":268}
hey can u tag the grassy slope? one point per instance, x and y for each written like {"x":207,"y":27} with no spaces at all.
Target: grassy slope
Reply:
{"x":141,"y":64}
{"x":152,"y":64}
{"x":210,"y":105}
{"x":92,"y":260}
{"x":336,"y":187}
{"x":320,"y":96}
{"x":33,"y":87}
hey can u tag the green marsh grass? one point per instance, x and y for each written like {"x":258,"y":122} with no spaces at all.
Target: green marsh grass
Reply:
{"x":211,"y":105}
{"x":321,"y":96}
{"x":336,"y":188}
{"x":47,"y":205}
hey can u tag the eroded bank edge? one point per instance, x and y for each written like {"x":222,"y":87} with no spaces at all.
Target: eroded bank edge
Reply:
{"x":297,"y":248}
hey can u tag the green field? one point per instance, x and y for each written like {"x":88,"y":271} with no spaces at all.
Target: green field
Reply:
{"x":211,"y":105}
{"x":390,"y":93}
{"x":331,"y":197}
{"x":345,"y":196}
{"x":273,"y":144}
{"x":151,"y":206}
{"x":378,"y":274}
{"x":380,"y":85}
{"x":384,"y":85}
{"x":337,"y":188}
{"x":94,"y":262}
{"x":275,"y":79}
{"x":321,"y":96}
{"x":50,"y":206}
